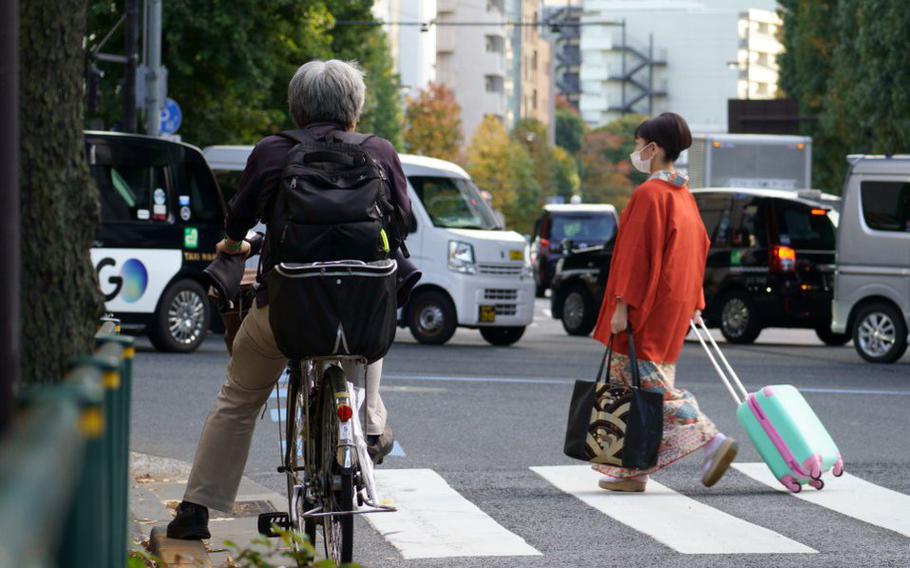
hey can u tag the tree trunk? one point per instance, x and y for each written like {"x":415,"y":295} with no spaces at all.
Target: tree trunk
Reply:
{"x":60,"y":211}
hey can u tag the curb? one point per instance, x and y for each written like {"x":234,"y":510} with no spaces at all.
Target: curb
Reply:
{"x":157,"y":485}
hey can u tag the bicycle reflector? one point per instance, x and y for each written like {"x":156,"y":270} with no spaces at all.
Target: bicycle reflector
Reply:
{"x":345,"y":412}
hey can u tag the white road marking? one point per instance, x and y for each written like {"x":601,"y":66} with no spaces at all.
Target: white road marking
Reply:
{"x":681,"y":523}
{"x":278,"y":414}
{"x":848,"y":495}
{"x":397,"y":450}
{"x":435,"y":521}
{"x":548,"y":313}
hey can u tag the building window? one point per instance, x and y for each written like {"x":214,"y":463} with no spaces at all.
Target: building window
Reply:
{"x":499,"y":5}
{"x":534,"y":99}
{"x":494,"y":83}
{"x":495,"y":44}
{"x":534,"y":60}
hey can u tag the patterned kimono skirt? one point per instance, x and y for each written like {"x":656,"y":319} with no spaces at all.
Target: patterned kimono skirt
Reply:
{"x":686,"y":429}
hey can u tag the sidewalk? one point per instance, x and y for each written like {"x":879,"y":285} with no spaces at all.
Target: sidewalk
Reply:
{"x":156,"y":487}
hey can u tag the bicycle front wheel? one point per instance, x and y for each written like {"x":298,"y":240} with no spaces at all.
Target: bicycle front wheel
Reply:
{"x":337,"y":483}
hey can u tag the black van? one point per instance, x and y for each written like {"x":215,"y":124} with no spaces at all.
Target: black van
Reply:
{"x":582,"y":225}
{"x":161,"y":216}
{"x":771,"y":264}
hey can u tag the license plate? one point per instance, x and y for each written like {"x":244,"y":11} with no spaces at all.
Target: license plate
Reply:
{"x":487,"y":314}
{"x":516,"y":255}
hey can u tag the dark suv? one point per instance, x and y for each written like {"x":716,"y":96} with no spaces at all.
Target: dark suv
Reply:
{"x":582,"y":226}
{"x":771,"y":264}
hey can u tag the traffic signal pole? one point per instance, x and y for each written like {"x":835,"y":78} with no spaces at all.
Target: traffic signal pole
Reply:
{"x":132,"y":63}
{"x":9,"y":207}
{"x":154,"y":79}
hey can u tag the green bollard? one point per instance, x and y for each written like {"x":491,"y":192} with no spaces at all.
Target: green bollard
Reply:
{"x":119,"y":390}
{"x":86,"y":530}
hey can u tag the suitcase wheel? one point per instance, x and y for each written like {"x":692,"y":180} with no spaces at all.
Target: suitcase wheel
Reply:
{"x":818,"y":484}
{"x":791,"y":484}
{"x":838,"y":469}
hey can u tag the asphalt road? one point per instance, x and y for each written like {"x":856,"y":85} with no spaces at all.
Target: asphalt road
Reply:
{"x":472,"y":420}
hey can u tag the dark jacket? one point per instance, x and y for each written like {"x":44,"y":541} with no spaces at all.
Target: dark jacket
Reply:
{"x":262,"y":177}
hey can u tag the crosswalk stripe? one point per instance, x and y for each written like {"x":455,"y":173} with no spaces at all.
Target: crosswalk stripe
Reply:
{"x":435,"y":521}
{"x":678,"y":521}
{"x":848,"y":495}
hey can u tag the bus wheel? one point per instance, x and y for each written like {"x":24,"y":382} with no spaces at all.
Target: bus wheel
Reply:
{"x":502,"y":335}
{"x":182,"y":319}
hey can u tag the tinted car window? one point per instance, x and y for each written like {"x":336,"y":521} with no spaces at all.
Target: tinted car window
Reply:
{"x":583,"y":228}
{"x":132,"y":177}
{"x":747,"y":227}
{"x":198,"y":198}
{"x":886,"y":205}
{"x":712,"y":209}
{"x":803,"y":227}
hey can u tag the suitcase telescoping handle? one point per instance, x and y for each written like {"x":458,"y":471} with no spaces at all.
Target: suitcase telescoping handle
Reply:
{"x":727,"y":374}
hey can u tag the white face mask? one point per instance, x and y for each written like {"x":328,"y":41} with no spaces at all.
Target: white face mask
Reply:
{"x":644,"y":166}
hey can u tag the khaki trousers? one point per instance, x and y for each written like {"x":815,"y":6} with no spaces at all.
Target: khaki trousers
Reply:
{"x":252,"y":372}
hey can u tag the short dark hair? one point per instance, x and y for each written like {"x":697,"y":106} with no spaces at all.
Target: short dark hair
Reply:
{"x":669,"y":131}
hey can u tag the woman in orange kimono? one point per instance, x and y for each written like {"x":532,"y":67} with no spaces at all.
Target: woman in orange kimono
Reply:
{"x":655,"y":286}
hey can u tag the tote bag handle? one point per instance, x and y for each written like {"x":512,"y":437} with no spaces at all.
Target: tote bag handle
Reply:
{"x":608,"y":359}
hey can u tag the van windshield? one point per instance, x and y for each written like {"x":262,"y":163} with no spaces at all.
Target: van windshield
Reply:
{"x":454,"y":203}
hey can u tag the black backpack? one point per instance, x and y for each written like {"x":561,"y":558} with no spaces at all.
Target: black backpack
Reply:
{"x":334,"y":203}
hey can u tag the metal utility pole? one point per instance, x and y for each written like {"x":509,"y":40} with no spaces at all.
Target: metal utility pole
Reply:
{"x":9,"y":208}
{"x":129,"y":122}
{"x":155,"y":74}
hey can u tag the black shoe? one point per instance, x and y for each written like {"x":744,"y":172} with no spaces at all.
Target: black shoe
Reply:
{"x":379,"y":446}
{"x":191,"y":522}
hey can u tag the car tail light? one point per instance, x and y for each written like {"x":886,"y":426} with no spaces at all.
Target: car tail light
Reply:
{"x":545,"y":244}
{"x":345,"y":412}
{"x":819,"y":212}
{"x":783,"y":259}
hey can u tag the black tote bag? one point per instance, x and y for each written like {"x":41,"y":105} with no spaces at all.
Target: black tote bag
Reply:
{"x":615,"y":425}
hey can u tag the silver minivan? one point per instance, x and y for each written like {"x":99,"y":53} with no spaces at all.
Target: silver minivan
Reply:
{"x":872,"y":283}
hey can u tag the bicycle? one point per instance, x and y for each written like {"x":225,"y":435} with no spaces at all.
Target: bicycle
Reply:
{"x":325,"y":460}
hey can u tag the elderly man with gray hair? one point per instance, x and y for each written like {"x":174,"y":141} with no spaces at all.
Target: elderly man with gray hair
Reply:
{"x":324,"y":97}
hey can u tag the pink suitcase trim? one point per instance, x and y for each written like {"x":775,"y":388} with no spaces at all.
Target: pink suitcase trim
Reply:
{"x":782,"y":447}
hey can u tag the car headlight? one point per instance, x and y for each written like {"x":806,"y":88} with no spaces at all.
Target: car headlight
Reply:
{"x":461,"y":257}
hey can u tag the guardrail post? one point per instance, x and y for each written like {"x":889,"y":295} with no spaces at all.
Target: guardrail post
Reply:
{"x":84,"y":540}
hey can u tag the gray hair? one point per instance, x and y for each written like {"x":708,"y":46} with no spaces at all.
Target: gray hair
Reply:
{"x":327,"y":91}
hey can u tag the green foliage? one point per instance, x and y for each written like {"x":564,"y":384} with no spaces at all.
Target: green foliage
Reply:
{"x":433,"y":124}
{"x":607,"y":174}
{"x":843,"y":63}
{"x":534,"y":136}
{"x":570,"y":129}
{"x":229,"y":63}
{"x":503,"y":166}
{"x":565,"y":173}
{"x":262,"y":552}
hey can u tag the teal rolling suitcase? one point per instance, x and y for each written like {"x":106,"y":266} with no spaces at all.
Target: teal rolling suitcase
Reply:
{"x":787,"y":433}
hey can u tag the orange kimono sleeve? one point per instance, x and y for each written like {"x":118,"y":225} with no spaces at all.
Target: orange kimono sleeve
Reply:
{"x":638,"y":256}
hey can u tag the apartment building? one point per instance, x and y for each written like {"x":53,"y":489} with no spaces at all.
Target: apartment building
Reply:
{"x":534,"y":61}
{"x":688,"y":56}
{"x":412,"y":47}
{"x":473,"y":60}
{"x":565,"y":35}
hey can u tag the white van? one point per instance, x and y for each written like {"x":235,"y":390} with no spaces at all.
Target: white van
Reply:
{"x":475,"y":273}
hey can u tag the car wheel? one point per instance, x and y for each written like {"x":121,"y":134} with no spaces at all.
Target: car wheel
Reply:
{"x":880,"y":333}
{"x":830,"y":338}
{"x":502,"y":336}
{"x":578,"y":317}
{"x":432,"y":318}
{"x":182,"y":318}
{"x":738,"y":318}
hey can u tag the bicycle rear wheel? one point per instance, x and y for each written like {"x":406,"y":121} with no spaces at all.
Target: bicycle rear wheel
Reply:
{"x":337,"y":481}
{"x":296,"y":440}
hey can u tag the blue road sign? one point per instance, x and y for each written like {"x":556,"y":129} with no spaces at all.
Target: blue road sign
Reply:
{"x":171,"y":117}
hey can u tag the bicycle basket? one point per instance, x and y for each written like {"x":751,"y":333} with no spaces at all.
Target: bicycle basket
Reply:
{"x":322,"y":309}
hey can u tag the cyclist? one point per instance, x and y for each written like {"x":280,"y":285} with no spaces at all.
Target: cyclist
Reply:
{"x":323,"y":97}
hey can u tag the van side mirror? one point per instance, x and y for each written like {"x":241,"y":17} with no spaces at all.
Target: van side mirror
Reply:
{"x":412,"y":223}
